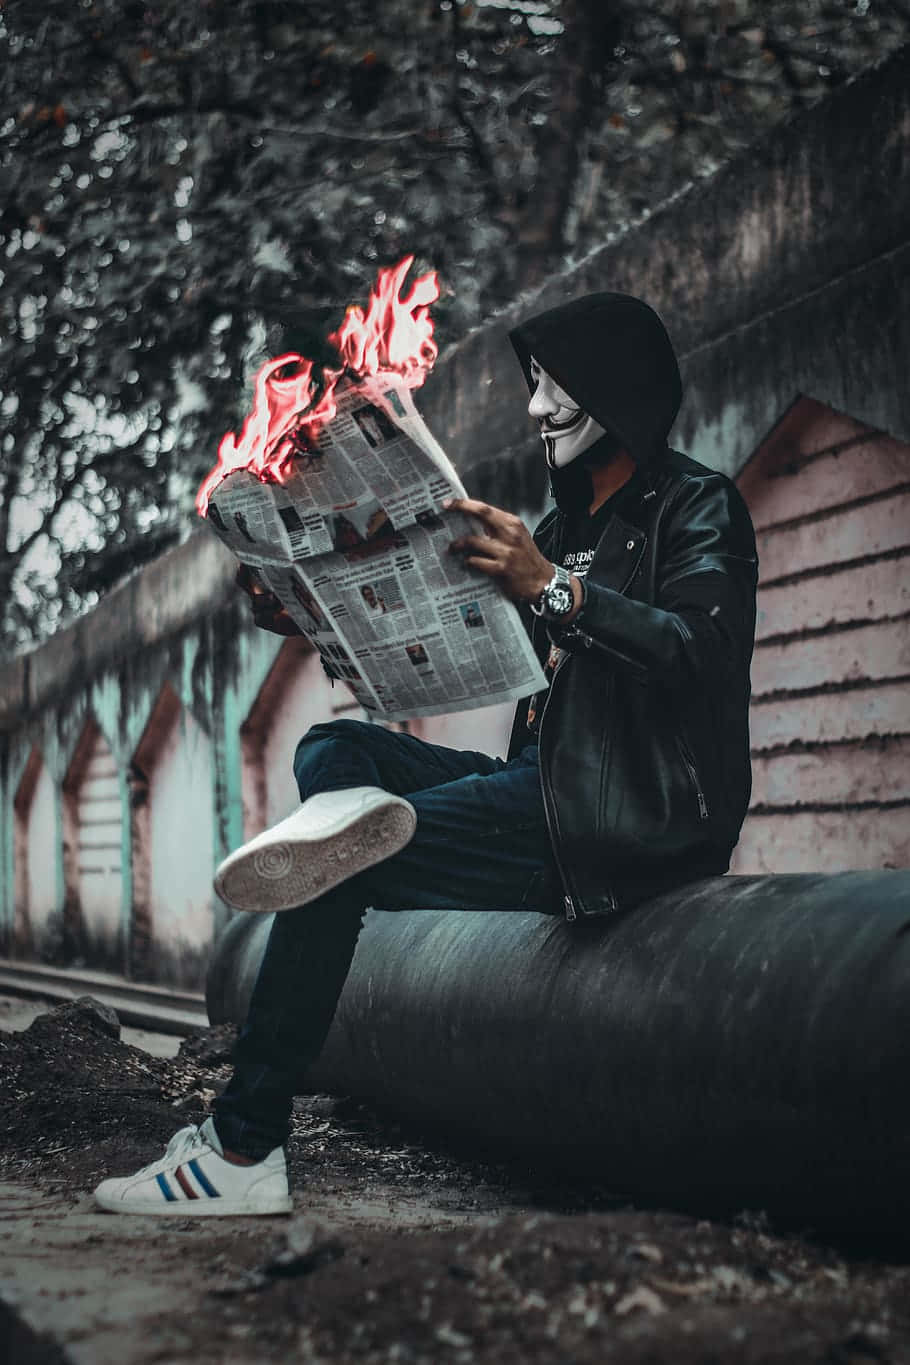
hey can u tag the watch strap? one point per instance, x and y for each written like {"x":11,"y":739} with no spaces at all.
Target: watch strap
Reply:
{"x":561,"y":580}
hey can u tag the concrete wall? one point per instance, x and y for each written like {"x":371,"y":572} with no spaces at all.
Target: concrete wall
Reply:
{"x":784,"y":282}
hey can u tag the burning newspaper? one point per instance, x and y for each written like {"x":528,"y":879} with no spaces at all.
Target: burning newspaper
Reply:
{"x":334,"y":497}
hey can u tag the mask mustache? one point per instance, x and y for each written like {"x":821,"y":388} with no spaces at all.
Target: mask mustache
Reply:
{"x":550,"y":424}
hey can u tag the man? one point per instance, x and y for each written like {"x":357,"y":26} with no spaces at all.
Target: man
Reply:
{"x":628,"y":776}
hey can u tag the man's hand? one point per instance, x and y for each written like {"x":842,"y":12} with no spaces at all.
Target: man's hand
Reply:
{"x":268,"y":611}
{"x":507,"y":552}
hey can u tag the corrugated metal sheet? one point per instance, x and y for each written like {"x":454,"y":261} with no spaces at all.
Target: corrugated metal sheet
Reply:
{"x":831,"y":675}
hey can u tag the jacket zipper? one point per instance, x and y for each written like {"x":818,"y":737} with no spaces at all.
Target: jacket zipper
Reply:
{"x":550,"y":816}
{"x":569,"y":897}
{"x":687,"y":758}
{"x":587,"y":641}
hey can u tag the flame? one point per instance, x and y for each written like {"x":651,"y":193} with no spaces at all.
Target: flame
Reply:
{"x":271,"y":432}
{"x":393,"y":338}
{"x":395,"y":335}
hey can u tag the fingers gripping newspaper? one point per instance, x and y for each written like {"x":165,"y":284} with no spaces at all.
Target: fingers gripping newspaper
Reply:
{"x":355,"y":544}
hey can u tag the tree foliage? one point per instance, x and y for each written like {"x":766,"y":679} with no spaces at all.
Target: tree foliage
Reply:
{"x":184,"y":182}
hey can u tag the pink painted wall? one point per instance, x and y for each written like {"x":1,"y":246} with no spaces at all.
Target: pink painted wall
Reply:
{"x":830,"y":719}
{"x":98,"y":837}
{"x":181,"y":838}
{"x":306,"y":700}
{"x":37,"y":852}
{"x":486,"y":729}
{"x":295,"y":695}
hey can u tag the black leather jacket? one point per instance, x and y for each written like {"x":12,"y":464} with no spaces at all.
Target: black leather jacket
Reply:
{"x":644,"y":739}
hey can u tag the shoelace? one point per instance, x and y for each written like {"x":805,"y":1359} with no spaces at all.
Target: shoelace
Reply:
{"x":180,"y":1145}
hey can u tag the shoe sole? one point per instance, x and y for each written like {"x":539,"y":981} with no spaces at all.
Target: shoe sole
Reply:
{"x":292,"y":872}
{"x":194,"y":1208}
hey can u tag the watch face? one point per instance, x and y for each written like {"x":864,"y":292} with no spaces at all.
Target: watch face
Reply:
{"x":559,"y":601}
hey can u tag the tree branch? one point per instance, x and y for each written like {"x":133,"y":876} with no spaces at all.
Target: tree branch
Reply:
{"x":590,"y":32}
{"x":482,"y":156}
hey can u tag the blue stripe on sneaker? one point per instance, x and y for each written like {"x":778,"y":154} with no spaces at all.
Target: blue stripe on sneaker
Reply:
{"x":203,"y":1181}
{"x":165,"y":1188}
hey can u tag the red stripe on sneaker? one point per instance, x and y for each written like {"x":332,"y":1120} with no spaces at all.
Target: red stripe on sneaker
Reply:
{"x":185,"y":1184}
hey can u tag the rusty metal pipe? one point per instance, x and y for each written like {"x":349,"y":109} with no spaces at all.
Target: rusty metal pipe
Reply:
{"x":744,"y":1040}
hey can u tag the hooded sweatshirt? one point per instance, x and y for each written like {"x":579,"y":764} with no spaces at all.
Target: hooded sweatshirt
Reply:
{"x":612,"y":355}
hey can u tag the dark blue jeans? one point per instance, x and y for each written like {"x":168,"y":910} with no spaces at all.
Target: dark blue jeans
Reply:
{"x":481,"y":844}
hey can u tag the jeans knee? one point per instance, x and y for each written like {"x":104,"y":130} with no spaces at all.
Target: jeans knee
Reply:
{"x":343,"y":730}
{"x":347,"y":730}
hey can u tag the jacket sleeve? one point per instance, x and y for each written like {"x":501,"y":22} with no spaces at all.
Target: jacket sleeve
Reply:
{"x":703,"y":619}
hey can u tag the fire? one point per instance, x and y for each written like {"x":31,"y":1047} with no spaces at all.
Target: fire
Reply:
{"x":393,"y":338}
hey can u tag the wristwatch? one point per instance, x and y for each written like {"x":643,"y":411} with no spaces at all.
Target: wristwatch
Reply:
{"x":557,"y":598}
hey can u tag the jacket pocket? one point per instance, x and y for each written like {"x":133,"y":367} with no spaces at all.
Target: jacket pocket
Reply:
{"x":688,"y":759}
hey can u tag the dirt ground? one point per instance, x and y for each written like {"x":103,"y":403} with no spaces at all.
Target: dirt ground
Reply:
{"x":408,"y":1248}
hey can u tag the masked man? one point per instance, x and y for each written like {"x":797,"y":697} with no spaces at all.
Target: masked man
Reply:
{"x":628,"y":776}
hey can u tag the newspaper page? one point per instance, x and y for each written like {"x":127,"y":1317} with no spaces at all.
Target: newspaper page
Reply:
{"x":355,"y":544}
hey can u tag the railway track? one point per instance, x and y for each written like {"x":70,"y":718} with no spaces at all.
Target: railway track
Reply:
{"x":140,"y":1005}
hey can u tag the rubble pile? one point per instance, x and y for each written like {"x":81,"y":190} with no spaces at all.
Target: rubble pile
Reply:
{"x":72,"y":1095}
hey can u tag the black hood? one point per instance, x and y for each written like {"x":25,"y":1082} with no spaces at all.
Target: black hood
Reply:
{"x":611,"y":353}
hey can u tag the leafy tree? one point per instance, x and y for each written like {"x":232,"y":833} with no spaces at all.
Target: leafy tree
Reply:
{"x":183,"y":182}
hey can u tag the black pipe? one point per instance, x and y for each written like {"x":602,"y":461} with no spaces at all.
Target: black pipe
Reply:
{"x":743,"y":1040}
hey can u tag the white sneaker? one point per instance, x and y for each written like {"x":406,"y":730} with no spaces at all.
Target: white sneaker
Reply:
{"x":193,"y":1178}
{"x":333,"y":836}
